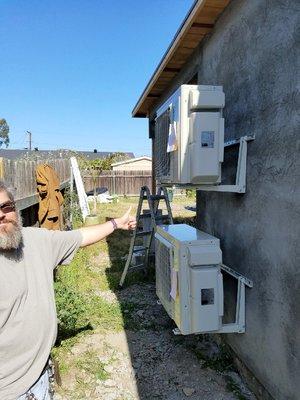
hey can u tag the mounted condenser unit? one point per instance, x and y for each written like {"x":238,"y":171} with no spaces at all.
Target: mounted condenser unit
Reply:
{"x":189,"y":136}
{"x":189,"y":280}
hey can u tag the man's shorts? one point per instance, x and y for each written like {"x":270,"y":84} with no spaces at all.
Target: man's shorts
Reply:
{"x":40,"y":390}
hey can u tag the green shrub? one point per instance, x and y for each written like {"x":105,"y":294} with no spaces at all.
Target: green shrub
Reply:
{"x":71,"y":206}
{"x":71,"y":309}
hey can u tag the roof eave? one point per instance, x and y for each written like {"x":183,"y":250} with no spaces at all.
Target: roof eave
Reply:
{"x":182,"y":29}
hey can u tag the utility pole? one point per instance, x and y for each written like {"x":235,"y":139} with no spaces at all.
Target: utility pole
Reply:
{"x":29,"y":139}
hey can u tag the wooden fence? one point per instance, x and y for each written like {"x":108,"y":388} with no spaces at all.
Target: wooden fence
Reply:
{"x":20,"y":175}
{"x":119,"y":182}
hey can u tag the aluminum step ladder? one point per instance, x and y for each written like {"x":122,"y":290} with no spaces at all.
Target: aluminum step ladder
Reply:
{"x":156,"y":218}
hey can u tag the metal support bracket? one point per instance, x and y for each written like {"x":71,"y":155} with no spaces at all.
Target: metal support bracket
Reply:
{"x":240,"y":316}
{"x":239,"y":325}
{"x":240,"y":180}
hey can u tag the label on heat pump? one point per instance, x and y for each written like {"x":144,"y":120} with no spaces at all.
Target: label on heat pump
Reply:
{"x":207,"y":139}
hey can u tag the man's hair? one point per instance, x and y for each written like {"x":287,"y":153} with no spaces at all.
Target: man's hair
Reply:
{"x":7,"y":190}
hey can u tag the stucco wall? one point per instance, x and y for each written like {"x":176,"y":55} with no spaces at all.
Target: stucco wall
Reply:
{"x":252,"y":53}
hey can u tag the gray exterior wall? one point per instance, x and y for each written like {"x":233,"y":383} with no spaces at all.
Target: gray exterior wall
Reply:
{"x":252,"y":53}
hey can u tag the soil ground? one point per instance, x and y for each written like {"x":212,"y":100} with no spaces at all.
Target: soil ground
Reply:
{"x":123,"y":347}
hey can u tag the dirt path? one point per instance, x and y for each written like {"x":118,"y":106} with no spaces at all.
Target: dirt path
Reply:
{"x":149,"y":362}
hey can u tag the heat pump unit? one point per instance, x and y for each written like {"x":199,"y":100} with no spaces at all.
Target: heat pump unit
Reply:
{"x":188,"y":277}
{"x":189,"y":136}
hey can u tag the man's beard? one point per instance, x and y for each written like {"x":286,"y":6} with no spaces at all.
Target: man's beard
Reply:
{"x":11,"y":239}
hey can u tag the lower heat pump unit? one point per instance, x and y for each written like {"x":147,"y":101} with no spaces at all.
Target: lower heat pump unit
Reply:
{"x":189,"y":280}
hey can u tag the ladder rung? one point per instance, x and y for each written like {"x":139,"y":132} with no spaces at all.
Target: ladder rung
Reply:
{"x":154,"y":197}
{"x":141,"y":248}
{"x":146,"y":215}
{"x":144,"y":233}
{"x":156,"y":217}
{"x":157,"y":197}
{"x":137,"y":266}
{"x":162,"y":218}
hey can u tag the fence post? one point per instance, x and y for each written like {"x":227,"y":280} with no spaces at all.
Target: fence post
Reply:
{"x":124,"y":190}
{"x":114,"y":182}
{"x":1,"y":168}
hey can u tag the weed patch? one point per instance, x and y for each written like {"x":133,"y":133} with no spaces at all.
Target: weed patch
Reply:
{"x":221,"y":361}
{"x":91,"y":365}
{"x":71,"y":310}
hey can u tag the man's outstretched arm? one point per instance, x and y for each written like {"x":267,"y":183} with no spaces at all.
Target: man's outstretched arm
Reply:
{"x":92,"y":234}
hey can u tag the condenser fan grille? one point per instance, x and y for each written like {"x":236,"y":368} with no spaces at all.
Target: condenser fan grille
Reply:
{"x":162,"y":158}
{"x":163,"y":276}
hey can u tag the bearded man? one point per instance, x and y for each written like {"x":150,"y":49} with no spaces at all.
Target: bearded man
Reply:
{"x":28,"y":324}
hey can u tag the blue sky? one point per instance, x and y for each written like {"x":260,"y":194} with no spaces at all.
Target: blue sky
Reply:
{"x":72,"y":71}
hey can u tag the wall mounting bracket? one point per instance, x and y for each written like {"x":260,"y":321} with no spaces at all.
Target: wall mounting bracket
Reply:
{"x":240,"y":180}
{"x":238,"y":326}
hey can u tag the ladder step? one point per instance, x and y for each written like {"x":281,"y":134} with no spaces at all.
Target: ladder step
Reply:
{"x":143,"y":216}
{"x":154,"y":197}
{"x":139,"y":266}
{"x":157,"y":197}
{"x":141,"y":248}
{"x":144,"y":233}
{"x":157,"y":217}
{"x":162,"y":218}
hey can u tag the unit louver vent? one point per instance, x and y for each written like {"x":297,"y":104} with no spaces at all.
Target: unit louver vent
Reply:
{"x":162,"y":158}
{"x":163,"y":276}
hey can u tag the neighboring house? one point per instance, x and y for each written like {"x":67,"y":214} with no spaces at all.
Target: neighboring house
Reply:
{"x":44,"y":154}
{"x":134,"y":164}
{"x":250,"y":48}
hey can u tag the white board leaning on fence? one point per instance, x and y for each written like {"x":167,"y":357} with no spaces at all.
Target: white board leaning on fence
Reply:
{"x":83,"y":202}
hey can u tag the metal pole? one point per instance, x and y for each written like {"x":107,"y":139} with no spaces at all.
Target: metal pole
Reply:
{"x":29,"y":139}
{"x":71,"y":193}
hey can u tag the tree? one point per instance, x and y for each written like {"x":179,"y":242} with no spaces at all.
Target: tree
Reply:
{"x":4,"y":131}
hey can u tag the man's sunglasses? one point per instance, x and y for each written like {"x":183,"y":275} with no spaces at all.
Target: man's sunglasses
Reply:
{"x":8,"y":207}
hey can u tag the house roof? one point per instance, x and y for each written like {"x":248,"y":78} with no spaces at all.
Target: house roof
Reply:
{"x":132,"y":160}
{"x":16,"y":154}
{"x":197,"y":24}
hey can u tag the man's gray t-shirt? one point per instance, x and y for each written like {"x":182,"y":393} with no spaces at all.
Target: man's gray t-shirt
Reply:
{"x":28,"y":324}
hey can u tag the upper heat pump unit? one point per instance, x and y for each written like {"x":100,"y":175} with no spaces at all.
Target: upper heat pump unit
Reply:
{"x":189,"y":136}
